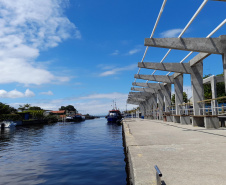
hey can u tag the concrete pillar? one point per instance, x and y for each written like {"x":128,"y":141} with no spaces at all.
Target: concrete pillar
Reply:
{"x":149,"y":101}
{"x":160,"y":104}
{"x":224,"y":66}
{"x":197,"y":92}
{"x":147,"y":105}
{"x":214,"y":95}
{"x":197,"y":86}
{"x":154,"y":103}
{"x":167,"y":95}
{"x":178,"y":87}
{"x":142,"y":109}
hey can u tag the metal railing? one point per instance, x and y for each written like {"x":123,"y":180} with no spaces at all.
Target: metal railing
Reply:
{"x":172,"y":109}
{"x":186,"y":109}
{"x":158,"y":175}
{"x":213,"y":108}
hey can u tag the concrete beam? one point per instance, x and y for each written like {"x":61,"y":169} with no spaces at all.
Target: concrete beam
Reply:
{"x":217,"y":79}
{"x":140,"y":93}
{"x":133,"y":103}
{"x":198,"y":58}
{"x":150,"y":85}
{"x":137,"y":99}
{"x":205,"y":45}
{"x":173,"y":67}
{"x":158,"y":78}
{"x":144,"y":90}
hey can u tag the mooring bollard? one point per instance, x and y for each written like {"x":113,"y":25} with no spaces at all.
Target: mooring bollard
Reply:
{"x":158,"y":175}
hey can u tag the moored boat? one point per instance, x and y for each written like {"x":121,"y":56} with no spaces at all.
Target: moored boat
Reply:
{"x":7,"y":124}
{"x":75,"y":118}
{"x":114,"y":116}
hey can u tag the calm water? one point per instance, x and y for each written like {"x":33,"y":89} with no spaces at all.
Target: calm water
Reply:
{"x":90,"y":152}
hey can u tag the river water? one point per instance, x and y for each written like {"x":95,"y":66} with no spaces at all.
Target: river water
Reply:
{"x":89,"y":152}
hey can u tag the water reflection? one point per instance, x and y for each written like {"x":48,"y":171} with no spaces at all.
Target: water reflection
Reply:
{"x":63,"y":153}
{"x":114,"y":130}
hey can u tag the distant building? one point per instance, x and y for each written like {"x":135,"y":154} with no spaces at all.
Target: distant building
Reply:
{"x":61,"y":114}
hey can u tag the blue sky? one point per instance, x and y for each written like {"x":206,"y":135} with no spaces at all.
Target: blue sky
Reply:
{"x":85,"y":53}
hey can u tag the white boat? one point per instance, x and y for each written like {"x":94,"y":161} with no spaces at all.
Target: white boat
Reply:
{"x":7,"y":124}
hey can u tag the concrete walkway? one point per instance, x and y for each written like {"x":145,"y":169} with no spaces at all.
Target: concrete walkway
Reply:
{"x":185,"y":155}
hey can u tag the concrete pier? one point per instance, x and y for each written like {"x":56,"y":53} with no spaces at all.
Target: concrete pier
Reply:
{"x":185,"y":155}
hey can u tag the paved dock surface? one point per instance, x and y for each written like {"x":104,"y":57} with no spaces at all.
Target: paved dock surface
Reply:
{"x":184,"y":154}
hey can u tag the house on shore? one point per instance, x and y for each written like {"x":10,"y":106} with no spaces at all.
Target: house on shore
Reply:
{"x":61,"y":114}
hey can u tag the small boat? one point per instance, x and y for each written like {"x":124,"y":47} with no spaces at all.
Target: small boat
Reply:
{"x":114,"y":116}
{"x":7,"y":124}
{"x":75,"y":118}
{"x":83,"y":118}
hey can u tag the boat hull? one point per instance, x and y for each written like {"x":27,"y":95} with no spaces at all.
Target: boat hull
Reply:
{"x":114,"y":120}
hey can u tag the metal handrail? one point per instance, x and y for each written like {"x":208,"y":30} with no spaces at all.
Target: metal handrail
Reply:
{"x":187,"y":111}
{"x":158,"y":175}
{"x":189,"y":103}
{"x":208,"y":100}
{"x":213,"y":109}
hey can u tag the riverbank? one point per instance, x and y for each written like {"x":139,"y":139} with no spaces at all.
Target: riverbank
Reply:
{"x":184,"y":154}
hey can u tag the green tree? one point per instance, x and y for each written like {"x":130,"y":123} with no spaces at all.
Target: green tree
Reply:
{"x":68,"y":108}
{"x":6,"y":109}
{"x":185,"y":98}
{"x":220,"y":88}
{"x":35,"y":108}
{"x":24,"y":107}
{"x":36,"y":114}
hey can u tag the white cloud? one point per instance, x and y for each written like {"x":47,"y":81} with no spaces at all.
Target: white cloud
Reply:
{"x":26,"y":27}
{"x":100,"y":104}
{"x":50,"y":93}
{"x":114,"y":95}
{"x":171,"y":33}
{"x":117,"y":70}
{"x":29,"y":93}
{"x":16,"y":94}
{"x":116,"y":52}
{"x":133,"y":51}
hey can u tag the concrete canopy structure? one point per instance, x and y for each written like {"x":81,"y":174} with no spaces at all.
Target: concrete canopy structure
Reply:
{"x":204,"y":45}
{"x":158,"y":78}
{"x":195,"y":66}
